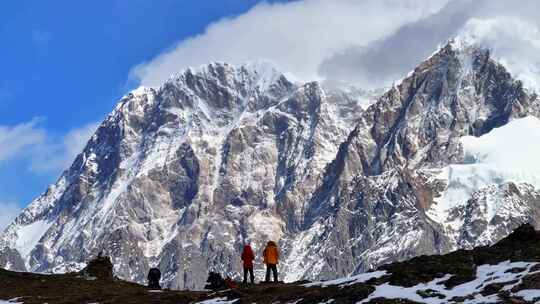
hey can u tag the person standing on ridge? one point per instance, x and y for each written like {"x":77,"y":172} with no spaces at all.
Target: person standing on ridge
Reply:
{"x":271,"y":257}
{"x":247,"y":258}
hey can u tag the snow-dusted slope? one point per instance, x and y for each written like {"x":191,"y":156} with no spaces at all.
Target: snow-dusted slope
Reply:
{"x":181,"y":176}
{"x":507,"y":154}
{"x":499,"y":169}
{"x":377,"y":204}
{"x":507,"y":275}
{"x":503,"y":273}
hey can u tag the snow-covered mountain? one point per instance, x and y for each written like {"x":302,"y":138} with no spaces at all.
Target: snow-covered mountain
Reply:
{"x":182,"y":175}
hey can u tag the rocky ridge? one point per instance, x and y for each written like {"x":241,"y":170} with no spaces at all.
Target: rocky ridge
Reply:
{"x":507,"y":272}
{"x":181,"y":176}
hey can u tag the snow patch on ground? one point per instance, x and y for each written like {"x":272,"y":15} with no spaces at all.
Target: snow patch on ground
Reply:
{"x":485,"y":275}
{"x":529,"y":295}
{"x":361,"y":278}
{"x":12,"y":301}
{"x":218,"y":301}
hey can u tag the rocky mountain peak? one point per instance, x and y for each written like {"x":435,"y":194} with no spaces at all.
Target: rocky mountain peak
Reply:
{"x":457,"y":91}
{"x":178,"y":177}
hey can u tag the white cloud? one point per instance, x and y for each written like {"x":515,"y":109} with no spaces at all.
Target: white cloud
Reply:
{"x":513,"y":42}
{"x":510,"y":30}
{"x":368,"y":43}
{"x":43,"y":152}
{"x":382,"y":62}
{"x":57,"y":155}
{"x":76,"y":139}
{"x":297,"y":36}
{"x":40,"y":152}
{"x":19,"y":139}
{"x":8,"y":212}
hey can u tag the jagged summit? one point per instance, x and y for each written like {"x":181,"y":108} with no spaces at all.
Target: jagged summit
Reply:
{"x":179,"y":176}
{"x":193,"y":161}
{"x":475,"y":37}
{"x":256,"y":75}
{"x":246,"y":81}
{"x":466,"y":43}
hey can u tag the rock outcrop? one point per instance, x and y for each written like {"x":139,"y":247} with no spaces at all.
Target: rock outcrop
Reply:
{"x":99,"y":268}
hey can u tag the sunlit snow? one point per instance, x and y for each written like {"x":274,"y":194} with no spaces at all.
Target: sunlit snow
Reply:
{"x":517,"y":53}
{"x":29,"y":236}
{"x":529,"y":294}
{"x":485,"y":275}
{"x":217,"y":301}
{"x":12,"y":301}
{"x":506,"y":154}
{"x":361,"y":278}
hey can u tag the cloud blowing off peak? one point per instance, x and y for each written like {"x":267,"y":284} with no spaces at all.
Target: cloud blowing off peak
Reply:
{"x":366,"y":43}
{"x":297,"y":36}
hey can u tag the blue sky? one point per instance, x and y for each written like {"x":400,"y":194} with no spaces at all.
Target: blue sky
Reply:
{"x":64,"y":64}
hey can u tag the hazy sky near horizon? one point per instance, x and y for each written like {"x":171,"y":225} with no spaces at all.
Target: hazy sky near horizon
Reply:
{"x":66,"y":63}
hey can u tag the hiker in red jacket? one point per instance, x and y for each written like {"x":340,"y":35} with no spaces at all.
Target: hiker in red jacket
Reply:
{"x":248,"y":257}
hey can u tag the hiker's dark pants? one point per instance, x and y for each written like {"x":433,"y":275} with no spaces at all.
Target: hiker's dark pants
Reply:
{"x":272,"y":267}
{"x":251,"y":276}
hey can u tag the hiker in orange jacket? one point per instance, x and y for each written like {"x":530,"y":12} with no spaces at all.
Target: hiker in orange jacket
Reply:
{"x":247,"y":258}
{"x":271,"y":257}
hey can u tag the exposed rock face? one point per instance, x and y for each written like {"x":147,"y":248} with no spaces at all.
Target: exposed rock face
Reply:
{"x":372,"y":209}
{"x":11,"y":259}
{"x":180,"y":176}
